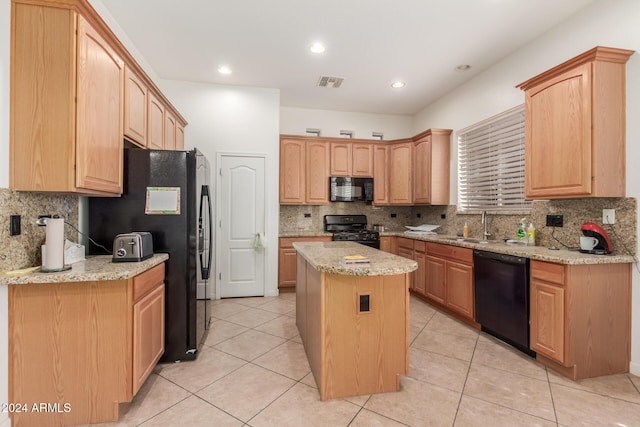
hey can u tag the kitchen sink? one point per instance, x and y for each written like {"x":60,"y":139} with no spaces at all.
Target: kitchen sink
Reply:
{"x":468,"y":240}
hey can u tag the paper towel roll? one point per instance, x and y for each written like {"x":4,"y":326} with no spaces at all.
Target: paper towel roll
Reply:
{"x":55,"y":244}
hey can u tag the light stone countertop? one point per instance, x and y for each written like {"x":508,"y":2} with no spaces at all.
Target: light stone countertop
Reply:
{"x":94,"y":268}
{"x":325,"y":257}
{"x":305,"y":234}
{"x":541,"y":253}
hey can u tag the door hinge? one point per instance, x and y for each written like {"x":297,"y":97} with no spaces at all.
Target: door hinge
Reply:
{"x":220,"y":276}
{"x":220,"y":224}
{"x":220,"y":171}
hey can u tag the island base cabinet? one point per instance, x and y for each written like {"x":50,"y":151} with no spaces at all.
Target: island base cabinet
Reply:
{"x":354,"y":350}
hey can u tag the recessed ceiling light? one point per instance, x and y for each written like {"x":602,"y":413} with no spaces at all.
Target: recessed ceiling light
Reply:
{"x":463,"y":67}
{"x":317,"y":48}
{"x":398,"y":84}
{"x":223,"y":69}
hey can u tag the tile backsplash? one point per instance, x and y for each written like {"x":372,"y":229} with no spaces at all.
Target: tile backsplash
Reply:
{"x":24,"y":250}
{"x":623,"y":233}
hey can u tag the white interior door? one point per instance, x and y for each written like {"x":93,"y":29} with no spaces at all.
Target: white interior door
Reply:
{"x":241,"y":225}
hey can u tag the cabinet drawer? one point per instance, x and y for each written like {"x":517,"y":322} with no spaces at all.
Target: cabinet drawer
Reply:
{"x":548,"y":271}
{"x":287,"y":242}
{"x":420,"y":246}
{"x":448,"y":251}
{"x":405,"y":243}
{"x":145,"y":282}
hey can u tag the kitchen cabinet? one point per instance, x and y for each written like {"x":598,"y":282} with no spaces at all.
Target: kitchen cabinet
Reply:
{"x":179,"y":136}
{"x":135,"y":108}
{"x":575,"y":127}
{"x":155,"y":125}
{"x":401,"y":173}
{"x":102,"y":340}
{"x":449,"y":278}
{"x":351,"y":159}
{"x":404,"y":248}
{"x":66,"y":105}
{"x":304,"y":172}
{"x":580,"y":317}
{"x":386,"y":244}
{"x":419,"y":276}
{"x":380,"y":175}
{"x":287,"y":260}
{"x":317,"y":170}
{"x":341,"y":159}
{"x":169,"y":131}
{"x":431,"y":172}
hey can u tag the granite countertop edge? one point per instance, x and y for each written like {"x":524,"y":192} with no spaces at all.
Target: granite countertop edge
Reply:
{"x":540,"y":253}
{"x":325,"y":257}
{"x":94,"y":268}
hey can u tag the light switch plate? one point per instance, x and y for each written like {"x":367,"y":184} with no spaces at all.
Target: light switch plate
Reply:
{"x":608,"y":216}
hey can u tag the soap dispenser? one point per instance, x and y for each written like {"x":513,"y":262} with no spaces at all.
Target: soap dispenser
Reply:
{"x":465,"y":230}
{"x":531,"y":235}
{"x":522,"y":233}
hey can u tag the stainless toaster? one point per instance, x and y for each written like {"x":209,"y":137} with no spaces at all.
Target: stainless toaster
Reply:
{"x":132,"y":247}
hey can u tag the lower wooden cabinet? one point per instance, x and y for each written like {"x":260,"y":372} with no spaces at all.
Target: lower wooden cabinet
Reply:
{"x":386,"y":244}
{"x":449,"y":278}
{"x":88,"y":344}
{"x":404,"y":248}
{"x":580,"y":317}
{"x":287,"y":260}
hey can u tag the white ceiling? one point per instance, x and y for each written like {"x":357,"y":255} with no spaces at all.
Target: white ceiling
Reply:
{"x":369,"y":42}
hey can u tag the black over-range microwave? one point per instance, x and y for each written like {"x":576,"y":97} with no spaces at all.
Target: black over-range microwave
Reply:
{"x":349,"y":189}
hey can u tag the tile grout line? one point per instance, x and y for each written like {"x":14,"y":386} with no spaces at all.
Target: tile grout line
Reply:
{"x":466,"y":378}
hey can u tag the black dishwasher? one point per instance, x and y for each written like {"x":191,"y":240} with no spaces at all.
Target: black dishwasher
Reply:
{"x":502,"y":297}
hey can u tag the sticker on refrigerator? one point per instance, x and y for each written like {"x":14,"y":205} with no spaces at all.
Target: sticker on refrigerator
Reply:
{"x":162,"y":201}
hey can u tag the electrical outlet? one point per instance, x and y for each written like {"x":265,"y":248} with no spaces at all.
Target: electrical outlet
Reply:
{"x":307,"y":215}
{"x":418,"y":215}
{"x":608,"y":216}
{"x":555,"y":221}
{"x":443,"y":216}
{"x":393,"y":215}
{"x":14,"y":225}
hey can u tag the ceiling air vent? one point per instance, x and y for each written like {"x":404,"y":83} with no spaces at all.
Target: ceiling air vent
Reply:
{"x":329,"y":81}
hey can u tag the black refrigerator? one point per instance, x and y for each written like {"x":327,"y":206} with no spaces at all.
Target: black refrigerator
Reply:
{"x":167,"y":194}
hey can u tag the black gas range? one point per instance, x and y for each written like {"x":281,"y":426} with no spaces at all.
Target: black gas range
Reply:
{"x":352,"y":228}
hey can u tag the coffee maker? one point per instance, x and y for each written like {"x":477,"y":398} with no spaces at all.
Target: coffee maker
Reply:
{"x":604,"y":246}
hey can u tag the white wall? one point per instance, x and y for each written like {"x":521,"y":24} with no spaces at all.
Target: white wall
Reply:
{"x":238,"y":120}
{"x":5,"y":28}
{"x":611,"y":23}
{"x":294,"y":121}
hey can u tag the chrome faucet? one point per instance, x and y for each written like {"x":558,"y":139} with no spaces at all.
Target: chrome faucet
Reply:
{"x":485,"y":222}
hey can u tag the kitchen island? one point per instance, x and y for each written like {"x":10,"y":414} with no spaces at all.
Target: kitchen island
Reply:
{"x":82,"y":342}
{"x":353,"y":321}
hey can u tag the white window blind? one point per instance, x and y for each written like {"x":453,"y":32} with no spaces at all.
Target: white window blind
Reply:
{"x":491,"y":164}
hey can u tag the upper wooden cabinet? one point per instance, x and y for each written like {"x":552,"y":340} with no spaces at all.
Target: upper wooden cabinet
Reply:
{"x":401,"y":174}
{"x":72,"y":82}
{"x":380,"y":175}
{"x":179,"y":136}
{"x":304,"y":172}
{"x":575,"y":127}
{"x":169,"y":131}
{"x":431,"y":171}
{"x":135,"y":108}
{"x":351,"y":159}
{"x":60,"y":143}
{"x":155,"y":123}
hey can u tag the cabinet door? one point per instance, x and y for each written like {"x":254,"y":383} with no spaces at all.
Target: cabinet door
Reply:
{"x":459,"y":288}
{"x":155,"y":123}
{"x":99,"y":125}
{"x":287,"y":268}
{"x":407,"y":253}
{"x":422,"y":171}
{"x":558,"y":136}
{"x":292,"y":173}
{"x":419,"y":276}
{"x":317,"y":169}
{"x":148,"y":335}
{"x":380,"y":175}
{"x":385,"y":244}
{"x":341,"y":159}
{"x":547,"y":320}
{"x":400,"y":174}
{"x":135,"y":108}
{"x":362,"y":165}
{"x":435,"y":278}
{"x":179,"y":137}
{"x":169,"y":131}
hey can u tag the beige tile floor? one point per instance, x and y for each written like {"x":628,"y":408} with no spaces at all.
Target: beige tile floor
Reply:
{"x":253,"y":372}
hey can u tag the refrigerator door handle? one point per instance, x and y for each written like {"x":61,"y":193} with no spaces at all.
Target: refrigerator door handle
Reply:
{"x":205,"y":265}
